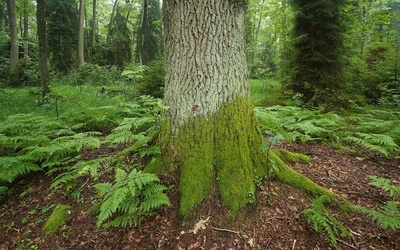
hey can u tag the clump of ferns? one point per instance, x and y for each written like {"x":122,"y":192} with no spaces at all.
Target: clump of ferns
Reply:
{"x":388,"y":215}
{"x":322,"y":220}
{"x":131,"y":196}
{"x":34,"y":143}
{"x":139,"y":133}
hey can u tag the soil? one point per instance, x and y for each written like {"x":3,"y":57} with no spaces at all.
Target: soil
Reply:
{"x":275,"y":221}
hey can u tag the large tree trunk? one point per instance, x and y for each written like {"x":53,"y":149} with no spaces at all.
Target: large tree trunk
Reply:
{"x":41,"y":30}
{"x":211,"y":134}
{"x":13,"y":36}
{"x":80,"y":55}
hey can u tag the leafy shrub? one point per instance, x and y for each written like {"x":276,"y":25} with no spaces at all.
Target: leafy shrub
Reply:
{"x":130,"y":197}
{"x":149,"y":79}
{"x":92,"y":74}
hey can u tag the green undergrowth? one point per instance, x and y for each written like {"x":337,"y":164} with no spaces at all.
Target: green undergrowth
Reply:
{"x":371,"y":129}
{"x":36,"y":142}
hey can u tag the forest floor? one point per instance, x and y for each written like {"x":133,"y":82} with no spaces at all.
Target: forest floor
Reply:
{"x":275,"y":221}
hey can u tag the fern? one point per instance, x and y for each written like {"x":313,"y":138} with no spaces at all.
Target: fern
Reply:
{"x":385,"y":185}
{"x":129,"y":197}
{"x":81,"y":168}
{"x":323,"y":220}
{"x":379,"y":142}
{"x":389,"y":214}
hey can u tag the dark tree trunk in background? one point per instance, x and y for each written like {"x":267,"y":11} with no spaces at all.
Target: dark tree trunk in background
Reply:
{"x":41,"y":26}
{"x":13,"y":36}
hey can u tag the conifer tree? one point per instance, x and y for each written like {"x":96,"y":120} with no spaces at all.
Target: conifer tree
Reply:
{"x":62,"y":33}
{"x":317,"y":42}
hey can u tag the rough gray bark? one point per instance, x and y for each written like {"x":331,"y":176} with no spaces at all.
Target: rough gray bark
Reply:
{"x":13,"y":36}
{"x":204,"y":51}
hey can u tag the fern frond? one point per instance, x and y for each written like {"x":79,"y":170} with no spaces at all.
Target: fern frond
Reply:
{"x":323,"y":220}
{"x":155,"y":201}
{"x":379,"y":142}
{"x":385,"y":184}
{"x":151,"y":151}
{"x":103,"y":189}
{"x":106,"y":211}
{"x":388,"y":216}
{"x":125,"y":220}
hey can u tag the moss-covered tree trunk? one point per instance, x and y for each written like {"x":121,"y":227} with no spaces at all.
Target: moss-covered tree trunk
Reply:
{"x":210,"y":136}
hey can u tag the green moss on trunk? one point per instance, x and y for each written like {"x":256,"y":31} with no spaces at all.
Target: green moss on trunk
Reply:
{"x":295,"y":179}
{"x":223,"y":148}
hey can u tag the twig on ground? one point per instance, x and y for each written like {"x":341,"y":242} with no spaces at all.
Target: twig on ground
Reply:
{"x":347,"y":244}
{"x":229,"y":231}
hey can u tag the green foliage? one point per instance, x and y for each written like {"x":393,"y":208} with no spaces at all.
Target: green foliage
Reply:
{"x":92,"y":74}
{"x":32,"y":143}
{"x":388,"y":216}
{"x":372,"y":129}
{"x":149,"y":79}
{"x":299,"y":124}
{"x":379,"y":142}
{"x":81,"y":168}
{"x":323,"y":220}
{"x":129,"y":197}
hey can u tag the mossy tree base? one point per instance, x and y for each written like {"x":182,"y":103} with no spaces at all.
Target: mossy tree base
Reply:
{"x":223,"y":148}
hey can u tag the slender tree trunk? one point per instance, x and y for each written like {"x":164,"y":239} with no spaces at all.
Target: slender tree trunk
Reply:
{"x":13,"y":36}
{"x":2,"y":16}
{"x":142,"y":30}
{"x":211,"y":134}
{"x":80,"y":54}
{"x":41,"y":32}
{"x":93,"y":37}
{"x":26,"y":28}
{"x":111,"y":21}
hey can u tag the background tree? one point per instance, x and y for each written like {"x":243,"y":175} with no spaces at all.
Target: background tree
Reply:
{"x":41,"y":33}
{"x":26,"y":28}
{"x":62,"y":33}
{"x":2,"y":16}
{"x":211,"y":126}
{"x":80,"y":54}
{"x":149,"y":40}
{"x":14,"y":52}
{"x":119,"y":50}
{"x":317,"y":41}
